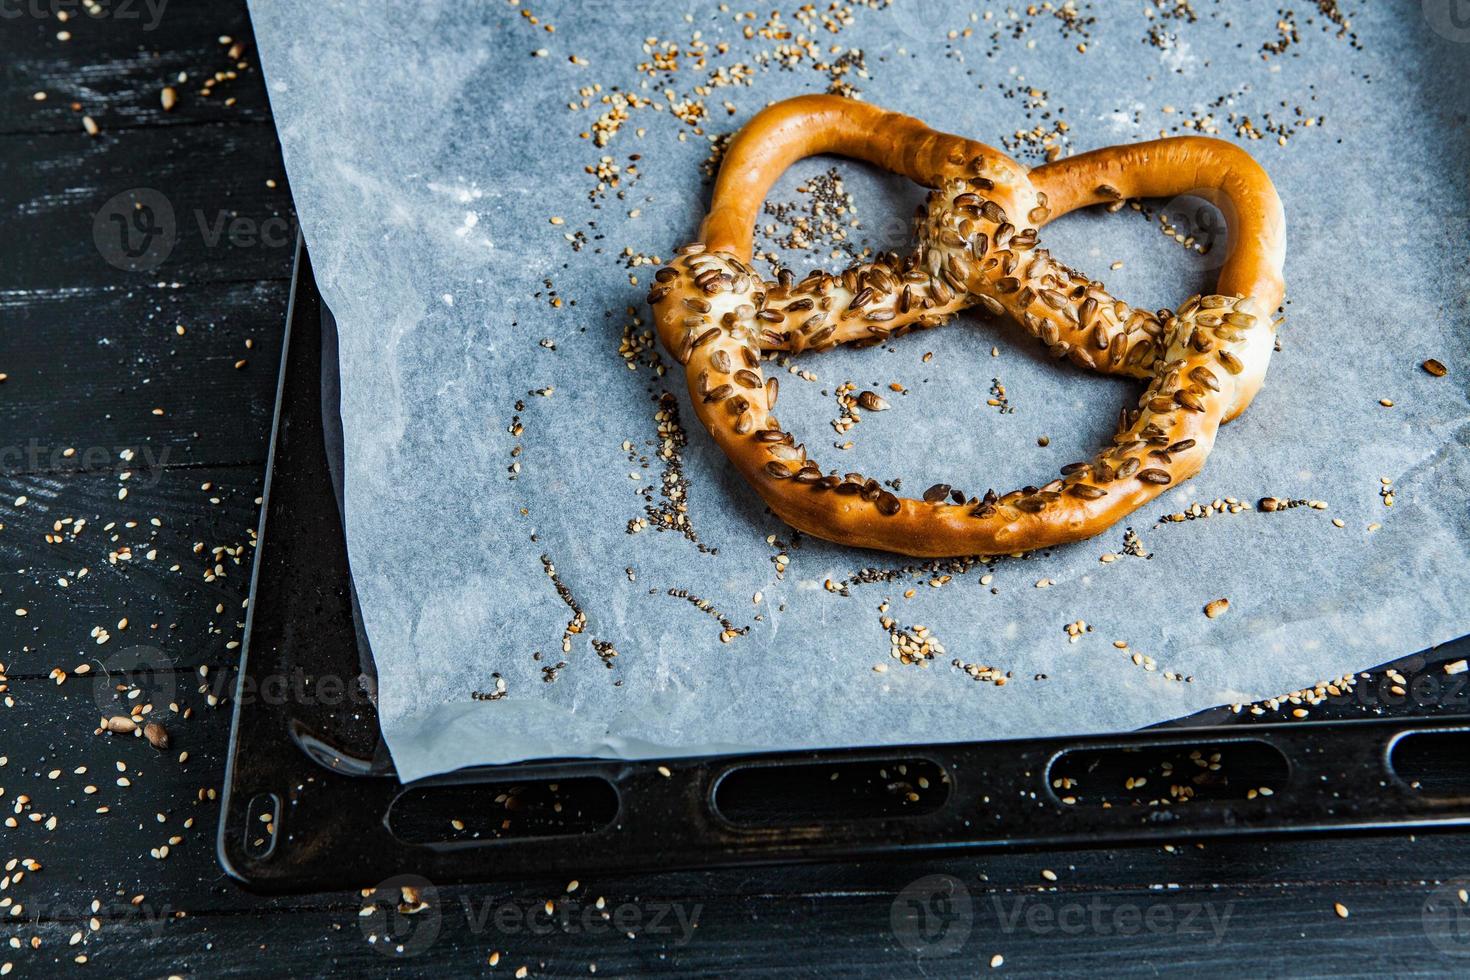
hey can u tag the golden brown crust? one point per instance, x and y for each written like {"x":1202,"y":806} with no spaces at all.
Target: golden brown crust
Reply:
{"x":978,"y":234}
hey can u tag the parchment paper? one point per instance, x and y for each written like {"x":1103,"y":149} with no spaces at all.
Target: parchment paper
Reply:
{"x":484,"y":287}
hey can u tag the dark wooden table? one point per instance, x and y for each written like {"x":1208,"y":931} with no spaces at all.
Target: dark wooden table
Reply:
{"x":134,"y":416}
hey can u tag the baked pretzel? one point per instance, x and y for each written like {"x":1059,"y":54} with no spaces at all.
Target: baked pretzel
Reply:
{"x":978,"y":247}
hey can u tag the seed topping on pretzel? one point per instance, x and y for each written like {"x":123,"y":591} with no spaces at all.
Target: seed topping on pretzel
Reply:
{"x":978,"y":233}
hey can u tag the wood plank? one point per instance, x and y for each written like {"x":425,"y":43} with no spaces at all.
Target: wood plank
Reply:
{"x":1258,"y":932}
{"x":102,"y":211}
{"x":114,"y":66}
{"x":167,"y":600}
{"x":87,"y":367}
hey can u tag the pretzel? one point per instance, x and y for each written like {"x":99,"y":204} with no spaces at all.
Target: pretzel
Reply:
{"x":978,"y":247}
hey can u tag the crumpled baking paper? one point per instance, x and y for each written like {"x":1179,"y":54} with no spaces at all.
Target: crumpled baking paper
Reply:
{"x":496,"y":432}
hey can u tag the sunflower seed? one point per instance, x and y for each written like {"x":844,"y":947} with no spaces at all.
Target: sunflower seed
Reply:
{"x":773,"y":390}
{"x":936,"y":493}
{"x":1203,"y":375}
{"x":1231,"y":362}
{"x":747,"y":378}
{"x":720,"y":361}
{"x":821,"y":336}
{"x":778,"y":470}
{"x":1086,"y":312}
{"x":1086,"y":491}
{"x":719,"y":394}
{"x":1159,"y":477}
{"x":872,"y":402}
{"x":990,"y":304}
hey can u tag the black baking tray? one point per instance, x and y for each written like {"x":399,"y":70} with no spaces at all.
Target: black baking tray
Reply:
{"x":311,"y":801}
